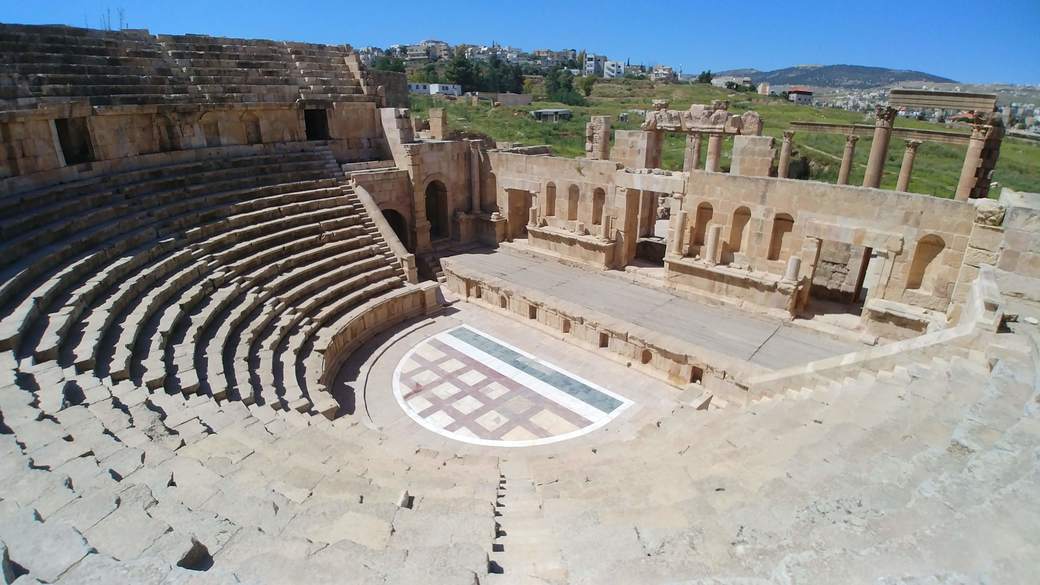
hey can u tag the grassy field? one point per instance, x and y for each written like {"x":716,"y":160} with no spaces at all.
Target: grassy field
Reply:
{"x":936,"y":169}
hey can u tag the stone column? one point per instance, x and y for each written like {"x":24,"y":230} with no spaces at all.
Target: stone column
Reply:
{"x":678,"y":230}
{"x":714,"y":152}
{"x":711,"y":245}
{"x":597,"y":138}
{"x":692,"y":156}
{"x":846,"y":159}
{"x":884,"y":117}
{"x":532,"y":217}
{"x":474,"y":177}
{"x":969,"y":172}
{"x":785,"y":155}
{"x":794,"y":266}
{"x":903,"y":183}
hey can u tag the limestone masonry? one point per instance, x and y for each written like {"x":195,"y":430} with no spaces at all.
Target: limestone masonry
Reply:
{"x":259,"y":324}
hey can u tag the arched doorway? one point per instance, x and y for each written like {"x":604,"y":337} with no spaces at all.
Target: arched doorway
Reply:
{"x":437,"y":210}
{"x":398,"y":224}
{"x":210,"y":129}
{"x":252,"y":127}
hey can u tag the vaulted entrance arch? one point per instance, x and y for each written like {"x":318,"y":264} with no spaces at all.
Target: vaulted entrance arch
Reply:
{"x":398,"y":224}
{"x":437,"y":210}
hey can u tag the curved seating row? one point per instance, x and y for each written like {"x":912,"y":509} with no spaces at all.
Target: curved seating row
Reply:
{"x":188,"y":276}
{"x":157,"y":417}
{"x":57,"y":63}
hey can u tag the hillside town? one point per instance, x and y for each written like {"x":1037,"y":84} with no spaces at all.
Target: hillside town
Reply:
{"x":1020,"y":117}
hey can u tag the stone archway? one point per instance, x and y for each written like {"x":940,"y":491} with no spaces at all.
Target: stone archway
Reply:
{"x":397,"y":223}
{"x":437,"y":210}
{"x":251,"y":125}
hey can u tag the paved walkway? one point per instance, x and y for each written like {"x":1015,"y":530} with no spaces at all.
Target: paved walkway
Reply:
{"x":767,"y":342}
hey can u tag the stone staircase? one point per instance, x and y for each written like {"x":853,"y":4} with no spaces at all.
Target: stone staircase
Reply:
{"x":923,"y":472}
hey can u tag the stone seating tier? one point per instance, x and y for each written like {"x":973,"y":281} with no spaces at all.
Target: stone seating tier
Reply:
{"x":170,"y":485}
{"x":107,"y":273}
{"x":108,"y":68}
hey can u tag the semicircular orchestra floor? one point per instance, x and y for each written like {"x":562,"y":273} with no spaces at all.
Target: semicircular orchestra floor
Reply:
{"x":478,"y":380}
{"x":466,"y":384}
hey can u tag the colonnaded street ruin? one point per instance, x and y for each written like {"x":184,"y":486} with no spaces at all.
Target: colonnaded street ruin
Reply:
{"x":259,"y":324}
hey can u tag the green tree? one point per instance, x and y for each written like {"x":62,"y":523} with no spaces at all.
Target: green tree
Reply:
{"x":427,"y":74}
{"x":386,"y":63}
{"x":585,"y":85}
{"x":461,"y":70}
{"x":705,"y":76}
{"x":559,"y":86}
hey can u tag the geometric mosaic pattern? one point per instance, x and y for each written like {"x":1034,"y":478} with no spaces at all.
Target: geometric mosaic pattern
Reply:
{"x":467,"y":385}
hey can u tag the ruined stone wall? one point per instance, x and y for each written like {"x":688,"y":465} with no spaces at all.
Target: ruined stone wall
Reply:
{"x":356,"y":132}
{"x":637,"y":149}
{"x":752,"y":156}
{"x":887,"y":221}
{"x":191,"y":91}
{"x":444,"y":162}
{"x":391,"y":189}
{"x":1008,"y":238}
{"x":394,"y":87}
{"x":543,"y":175}
{"x":29,"y":140}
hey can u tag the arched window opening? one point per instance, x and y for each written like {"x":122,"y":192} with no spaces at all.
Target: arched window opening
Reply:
{"x":782,"y":225}
{"x":700,"y":224}
{"x":550,"y":199}
{"x":738,"y":230}
{"x":924,"y":266}
{"x":573,"y":195}
{"x":599,"y":198}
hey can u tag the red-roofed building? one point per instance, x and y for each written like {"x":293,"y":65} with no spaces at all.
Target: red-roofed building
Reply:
{"x":800,"y":95}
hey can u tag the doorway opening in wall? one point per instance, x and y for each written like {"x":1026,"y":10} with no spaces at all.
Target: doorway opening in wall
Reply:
{"x":437,"y":210}
{"x":398,"y":224}
{"x":652,"y":230}
{"x":845,"y":275}
{"x":520,"y":204}
{"x":316,"y":123}
{"x":74,"y":138}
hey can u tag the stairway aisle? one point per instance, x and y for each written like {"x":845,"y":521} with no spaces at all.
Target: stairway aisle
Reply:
{"x":526,"y":551}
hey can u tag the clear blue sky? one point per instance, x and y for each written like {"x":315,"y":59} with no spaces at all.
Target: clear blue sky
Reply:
{"x":993,"y":41}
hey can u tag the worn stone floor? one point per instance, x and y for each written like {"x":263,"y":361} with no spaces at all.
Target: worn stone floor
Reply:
{"x":756,"y":338}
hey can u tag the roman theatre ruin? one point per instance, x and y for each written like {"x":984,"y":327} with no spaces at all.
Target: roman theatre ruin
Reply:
{"x":259,"y":324}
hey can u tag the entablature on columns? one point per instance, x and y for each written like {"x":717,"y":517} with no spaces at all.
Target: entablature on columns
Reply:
{"x":702,"y":119}
{"x":936,"y":136}
{"x":859,"y":235}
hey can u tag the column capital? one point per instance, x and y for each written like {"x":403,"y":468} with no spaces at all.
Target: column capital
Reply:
{"x":884,"y":116}
{"x":911,"y":144}
{"x":788,"y":135}
{"x":981,"y":131}
{"x":851,"y":139}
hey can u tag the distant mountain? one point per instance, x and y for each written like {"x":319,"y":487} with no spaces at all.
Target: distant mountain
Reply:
{"x":846,"y":76}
